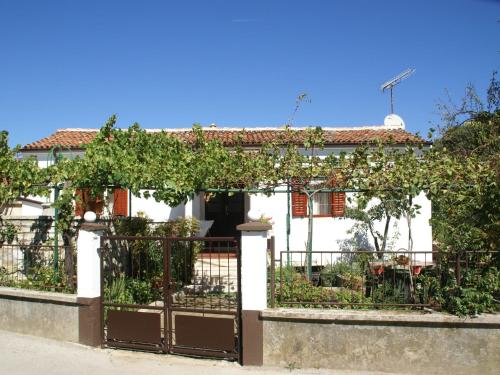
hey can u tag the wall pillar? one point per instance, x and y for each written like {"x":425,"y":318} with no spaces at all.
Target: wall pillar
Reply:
{"x":89,"y":283}
{"x":253,"y":289}
{"x":188,"y":207}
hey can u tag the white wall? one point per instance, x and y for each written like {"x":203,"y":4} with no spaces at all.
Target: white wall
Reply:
{"x":158,"y":211}
{"x":45,"y":159}
{"x":329,"y":233}
{"x":31,"y":209}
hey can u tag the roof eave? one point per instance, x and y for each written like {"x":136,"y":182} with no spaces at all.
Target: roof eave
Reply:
{"x":40,"y":149}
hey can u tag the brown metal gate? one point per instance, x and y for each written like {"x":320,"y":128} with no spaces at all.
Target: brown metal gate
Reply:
{"x":171,"y":295}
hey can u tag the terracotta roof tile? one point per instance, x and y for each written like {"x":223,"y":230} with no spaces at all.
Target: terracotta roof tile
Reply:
{"x":78,"y":138}
{"x":72,"y":139}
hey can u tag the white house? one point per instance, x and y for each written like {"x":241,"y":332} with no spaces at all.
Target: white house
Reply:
{"x":331,"y":229}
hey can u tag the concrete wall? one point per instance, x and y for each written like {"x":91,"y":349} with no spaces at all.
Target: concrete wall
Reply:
{"x":50,"y":315}
{"x":400,"y":342}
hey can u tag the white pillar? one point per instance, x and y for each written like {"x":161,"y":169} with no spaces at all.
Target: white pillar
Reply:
{"x":253,"y":289}
{"x":254,"y":265}
{"x":188,"y":208}
{"x":88,"y":260}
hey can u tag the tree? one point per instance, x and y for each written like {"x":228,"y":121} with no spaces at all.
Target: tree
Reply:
{"x":369,"y":216}
{"x":18,"y":176}
{"x":463,"y":177}
{"x":466,"y":216}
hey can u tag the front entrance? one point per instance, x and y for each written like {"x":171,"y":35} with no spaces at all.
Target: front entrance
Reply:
{"x":171,"y":295}
{"x":227,"y":211}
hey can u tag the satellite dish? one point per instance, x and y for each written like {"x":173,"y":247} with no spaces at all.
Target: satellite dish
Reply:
{"x":394,"y":121}
{"x":394,"y":81}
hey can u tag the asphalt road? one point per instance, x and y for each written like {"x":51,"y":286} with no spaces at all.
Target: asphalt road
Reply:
{"x":22,"y":354}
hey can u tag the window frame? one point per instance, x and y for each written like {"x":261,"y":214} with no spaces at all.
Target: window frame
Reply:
{"x":303,"y":197}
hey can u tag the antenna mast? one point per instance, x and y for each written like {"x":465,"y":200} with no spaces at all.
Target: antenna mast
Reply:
{"x":393,"y":82}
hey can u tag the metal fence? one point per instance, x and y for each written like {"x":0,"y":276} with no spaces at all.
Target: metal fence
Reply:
{"x":360,"y":279}
{"x":38,"y":267}
{"x":171,"y":294}
{"x":201,"y":272}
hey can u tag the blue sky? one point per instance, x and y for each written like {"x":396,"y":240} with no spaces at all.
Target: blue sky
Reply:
{"x":236,"y":63}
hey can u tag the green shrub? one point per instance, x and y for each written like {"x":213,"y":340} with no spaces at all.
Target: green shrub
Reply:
{"x":303,"y":293}
{"x":347,"y":296}
{"x":8,"y":232}
{"x":180,"y":227}
{"x":428,"y":289}
{"x":478,"y":292}
{"x":342,"y":274}
{"x":46,"y":278}
{"x":132,"y":226}
{"x":142,"y":292}
{"x":183,"y":253}
{"x":391,"y":292}
{"x":116,"y":291}
{"x":5,"y":279}
{"x":298,"y":289}
{"x":143,"y":259}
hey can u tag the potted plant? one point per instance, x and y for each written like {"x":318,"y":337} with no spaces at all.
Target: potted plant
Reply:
{"x":376,"y":268}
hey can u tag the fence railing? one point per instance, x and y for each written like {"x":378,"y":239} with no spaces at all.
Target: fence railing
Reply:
{"x":36,"y":267}
{"x":364,"y":278}
{"x":199,"y":273}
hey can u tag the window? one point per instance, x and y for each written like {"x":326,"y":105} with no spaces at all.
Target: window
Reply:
{"x":324,"y":204}
{"x":338,"y":204}
{"x":120,"y":202}
{"x":85,"y":202}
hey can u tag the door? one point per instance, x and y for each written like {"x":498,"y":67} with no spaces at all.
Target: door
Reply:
{"x":227,"y":211}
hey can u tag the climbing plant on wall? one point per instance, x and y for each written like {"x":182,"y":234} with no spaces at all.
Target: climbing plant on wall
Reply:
{"x":18,"y":176}
{"x":167,"y":168}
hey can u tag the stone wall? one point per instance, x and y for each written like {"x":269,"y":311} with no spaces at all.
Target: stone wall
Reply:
{"x":45,"y":314}
{"x":392,"y":341}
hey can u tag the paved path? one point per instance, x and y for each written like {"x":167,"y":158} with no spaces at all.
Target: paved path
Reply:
{"x":21,"y":354}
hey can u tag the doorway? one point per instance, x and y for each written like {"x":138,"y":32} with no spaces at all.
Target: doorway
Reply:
{"x":227,"y":211}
